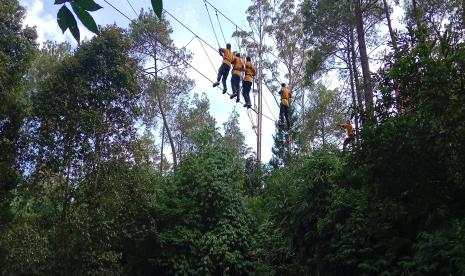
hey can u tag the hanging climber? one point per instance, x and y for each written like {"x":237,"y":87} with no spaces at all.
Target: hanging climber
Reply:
{"x":350,"y":133}
{"x":225,"y":66}
{"x":238,"y":68}
{"x":284,"y":106}
{"x":247,"y":82}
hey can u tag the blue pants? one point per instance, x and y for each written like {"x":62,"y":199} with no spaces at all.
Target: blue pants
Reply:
{"x":223,"y":74}
{"x":235,"y":85}
{"x":246,"y":86}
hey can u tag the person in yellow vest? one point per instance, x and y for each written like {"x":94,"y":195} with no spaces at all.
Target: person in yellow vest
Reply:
{"x":238,"y":68}
{"x":247,"y":82}
{"x":225,"y":66}
{"x":284,"y":106}
{"x":350,"y":133}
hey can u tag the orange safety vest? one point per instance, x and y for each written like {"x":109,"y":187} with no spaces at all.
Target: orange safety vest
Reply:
{"x":350,"y":129}
{"x":249,"y":71}
{"x":238,"y":66}
{"x":285,"y":96}
{"x":227,"y":56}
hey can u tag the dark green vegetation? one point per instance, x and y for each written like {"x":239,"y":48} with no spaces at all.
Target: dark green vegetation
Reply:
{"x":85,"y":191}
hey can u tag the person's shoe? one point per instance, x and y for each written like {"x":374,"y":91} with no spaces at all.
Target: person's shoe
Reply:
{"x":216,"y":84}
{"x":237,"y":100}
{"x":224,"y":91}
{"x":248,"y":105}
{"x":233,"y":95}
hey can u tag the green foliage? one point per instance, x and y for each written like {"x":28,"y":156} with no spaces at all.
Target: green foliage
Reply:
{"x":17,"y":50}
{"x":204,"y":227}
{"x":90,"y":203}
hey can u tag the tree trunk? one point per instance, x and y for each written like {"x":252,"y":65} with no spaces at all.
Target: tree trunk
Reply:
{"x":162,"y":111}
{"x":364,"y":61}
{"x":161,"y":148}
{"x":416,"y":14}
{"x":391,"y":31}
{"x":352,"y":89}
{"x":358,"y":90}
{"x":463,"y":13}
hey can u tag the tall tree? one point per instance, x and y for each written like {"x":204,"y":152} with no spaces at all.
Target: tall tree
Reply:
{"x":17,"y":49}
{"x":392,"y":33}
{"x":86,"y":112}
{"x":324,"y":114}
{"x":153,"y":44}
{"x":367,"y":85}
{"x":233,"y":136}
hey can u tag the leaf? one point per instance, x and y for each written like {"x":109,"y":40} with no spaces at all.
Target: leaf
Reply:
{"x":88,"y":5}
{"x":58,"y":2}
{"x":66,"y":21}
{"x":85,"y":18}
{"x":61,"y":18}
{"x":157,"y":6}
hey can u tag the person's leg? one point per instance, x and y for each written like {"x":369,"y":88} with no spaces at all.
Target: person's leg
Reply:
{"x":238,"y":88}
{"x":281,"y":113}
{"x":232,"y":87}
{"x":246,"y":86}
{"x":234,"y":80}
{"x":220,"y":74}
{"x":346,"y":141}
{"x":286,"y":114}
{"x":225,"y":77}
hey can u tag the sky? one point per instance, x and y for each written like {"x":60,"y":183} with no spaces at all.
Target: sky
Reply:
{"x":42,"y":14}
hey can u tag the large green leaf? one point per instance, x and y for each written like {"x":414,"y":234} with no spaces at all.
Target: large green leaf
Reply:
{"x":157,"y":6}
{"x":58,"y":2}
{"x":66,"y":21}
{"x":88,"y":5}
{"x":85,"y":18}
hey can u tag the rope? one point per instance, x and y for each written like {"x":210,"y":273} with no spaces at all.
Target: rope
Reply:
{"x":271,"y":112}
{"x":238,"y":44}
{"x":251,"y":121}
{"x":211,"y":23}
{"x":201,"y":44}
{"x":232,"y":22}
{"x":187,"y":28}
{"x":272,"y":94}
{"x":132,"y":7}
{"x":219,"y":23}
{"x":181,"y":58}
{"x":192,"y":39}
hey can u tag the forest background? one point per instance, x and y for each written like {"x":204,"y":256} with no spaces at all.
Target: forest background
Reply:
{"x":88,"y":187}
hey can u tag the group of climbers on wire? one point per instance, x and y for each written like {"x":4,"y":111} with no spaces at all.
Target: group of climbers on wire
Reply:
{"x":246,"y":71}
{"x":240,"y":70}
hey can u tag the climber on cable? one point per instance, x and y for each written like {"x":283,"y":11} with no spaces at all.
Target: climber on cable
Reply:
{"x":225,"y":66}
{"x":284,"y":106}
{"x":350,"y":133}
{"x":247,"y":82}
{"x":238,"y":68}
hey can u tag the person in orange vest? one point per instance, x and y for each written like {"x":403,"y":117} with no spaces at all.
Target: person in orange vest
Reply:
{"x":238,"y":68}
{"x":284,"y":106}
{"x":225,"y":66}
{"x":350,"y":133}
{"x":247,"y":82}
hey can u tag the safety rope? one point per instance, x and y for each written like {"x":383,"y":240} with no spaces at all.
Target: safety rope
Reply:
{"x":132,"y":8}
{"x":254,"y":128}
{"x":211,"y":23}
{"x":213,"y":66}
{"x":219,"y":23}
{"x":192,"y":39}
{"x":271,"y":112}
